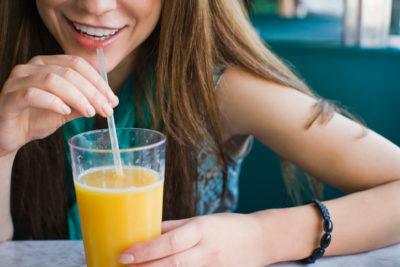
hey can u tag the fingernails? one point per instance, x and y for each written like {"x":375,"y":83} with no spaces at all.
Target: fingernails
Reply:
{"x":65,"y":109}
{"x":107,"y":109}
{"x":90,"y":110}
{"x":126,"y":258}
{"x":113,"y":98}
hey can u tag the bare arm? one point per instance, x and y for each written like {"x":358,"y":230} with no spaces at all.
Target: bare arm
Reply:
{"x":334,"y":153}
{"x":6,"y":225}
{"x":362,"y":221}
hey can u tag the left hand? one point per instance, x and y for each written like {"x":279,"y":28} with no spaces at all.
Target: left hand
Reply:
{"x":223,"y":239}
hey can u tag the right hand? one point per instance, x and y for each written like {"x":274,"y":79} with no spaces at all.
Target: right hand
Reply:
{"x":44,"y":94}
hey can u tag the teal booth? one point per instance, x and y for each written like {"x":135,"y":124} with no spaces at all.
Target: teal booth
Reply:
{"x":365,"y":81}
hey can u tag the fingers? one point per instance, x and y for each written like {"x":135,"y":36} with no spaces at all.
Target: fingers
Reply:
{"x":97,"y":99}
{"x":17,"y":101}
{"x":171,"y":225}
{"x":73,"y":115}
{"x":81,"y":66}
{"x":189,"y":258}
{"x":175,"y":241}
{"x":60,"y":87}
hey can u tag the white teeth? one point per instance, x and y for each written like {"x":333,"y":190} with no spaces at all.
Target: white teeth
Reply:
{"x":98,"y":32}
{"x":95,"y":32}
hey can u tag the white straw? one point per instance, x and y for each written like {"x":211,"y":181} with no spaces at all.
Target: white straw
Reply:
{"x":110,"y":119}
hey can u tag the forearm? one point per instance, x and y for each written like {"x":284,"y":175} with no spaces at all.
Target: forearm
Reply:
{"x":362,"y":221}
{"x":6,"y":225}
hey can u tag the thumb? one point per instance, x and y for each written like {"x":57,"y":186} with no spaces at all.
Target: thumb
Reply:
{"x":173,"y":224}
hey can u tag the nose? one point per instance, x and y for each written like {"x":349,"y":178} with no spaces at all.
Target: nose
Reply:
{"x":97,"y":7}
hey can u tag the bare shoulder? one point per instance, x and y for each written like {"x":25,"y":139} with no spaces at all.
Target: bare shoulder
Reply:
{"x":241,"y":95}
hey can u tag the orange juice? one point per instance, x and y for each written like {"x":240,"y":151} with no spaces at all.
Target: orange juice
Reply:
{"x":117,"y":211}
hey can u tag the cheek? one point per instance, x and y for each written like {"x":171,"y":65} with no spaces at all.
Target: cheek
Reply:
{"x":48,"y":12}
{"x":46,"y":7}
{"x":143,"y":10}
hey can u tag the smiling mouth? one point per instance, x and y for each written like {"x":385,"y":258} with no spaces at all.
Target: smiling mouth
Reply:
{"x":95,"y":33}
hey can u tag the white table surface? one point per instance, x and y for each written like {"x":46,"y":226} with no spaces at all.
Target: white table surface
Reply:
{"x":70,"y":254}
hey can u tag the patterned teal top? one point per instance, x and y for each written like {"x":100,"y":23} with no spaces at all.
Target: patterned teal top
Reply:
{"x":210,"y":174}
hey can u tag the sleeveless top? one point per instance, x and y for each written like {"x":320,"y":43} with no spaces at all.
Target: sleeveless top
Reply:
{"x":209,"y":182}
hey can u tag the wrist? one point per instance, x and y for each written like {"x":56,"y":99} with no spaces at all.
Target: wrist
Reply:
{"x":6,"y":163}
{"x":271,"y":234}
{"x":289,"y":234}
{"x":7,"y":156}
{"x":6,"y":229}
{"x":263,"y":244}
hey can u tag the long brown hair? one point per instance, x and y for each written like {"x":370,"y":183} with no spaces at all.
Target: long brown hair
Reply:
{"x":183,"y":104}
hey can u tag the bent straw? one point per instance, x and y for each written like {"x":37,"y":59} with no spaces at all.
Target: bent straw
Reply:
{"x":110,"y":120}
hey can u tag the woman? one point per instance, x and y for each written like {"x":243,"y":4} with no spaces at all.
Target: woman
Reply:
{"x":165,"y":60}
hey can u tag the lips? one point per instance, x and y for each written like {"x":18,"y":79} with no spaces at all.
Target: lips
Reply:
{"x":92,"y":36}
{"x":95,"y":32}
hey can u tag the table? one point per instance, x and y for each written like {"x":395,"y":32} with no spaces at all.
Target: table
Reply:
{"x":70,"y":254}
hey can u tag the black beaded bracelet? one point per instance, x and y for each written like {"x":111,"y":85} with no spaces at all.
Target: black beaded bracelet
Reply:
{"x":326,"y":238}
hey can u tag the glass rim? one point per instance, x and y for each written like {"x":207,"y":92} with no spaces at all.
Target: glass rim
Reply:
{"x":123,"y":150}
